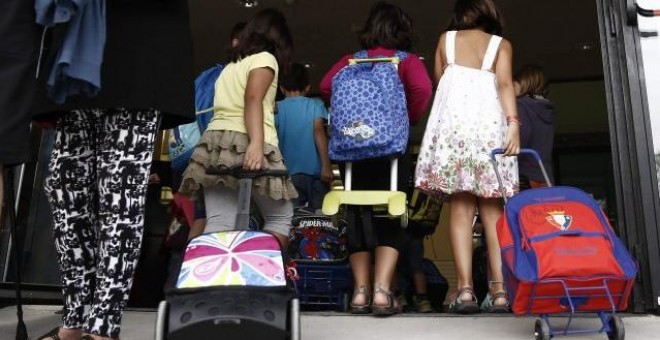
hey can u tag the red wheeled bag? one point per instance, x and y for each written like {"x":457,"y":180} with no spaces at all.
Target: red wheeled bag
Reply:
{"x":560,"y":255}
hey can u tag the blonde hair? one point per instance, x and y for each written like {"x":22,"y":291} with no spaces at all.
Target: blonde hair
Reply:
{"x":532,"y":81}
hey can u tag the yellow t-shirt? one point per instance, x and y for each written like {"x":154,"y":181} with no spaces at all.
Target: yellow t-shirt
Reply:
{"x":229,"y":103}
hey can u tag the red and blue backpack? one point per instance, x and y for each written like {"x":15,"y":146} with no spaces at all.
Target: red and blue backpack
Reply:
{"x":559,"y":252}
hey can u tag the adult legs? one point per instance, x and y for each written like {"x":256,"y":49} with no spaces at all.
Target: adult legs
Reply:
{"x":125,"y":145}
{"x":71,"y":190}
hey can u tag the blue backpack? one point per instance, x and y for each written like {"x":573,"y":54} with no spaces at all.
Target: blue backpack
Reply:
{"x":184,"y":138}
{"x":369,"y":114}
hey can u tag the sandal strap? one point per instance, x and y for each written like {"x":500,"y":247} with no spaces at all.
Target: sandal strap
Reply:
{"x":391,"y":303}
{"x":362,"y":290}
{"x":500,"y":294}
{"x":52,"y":335}
{"x":466,"y":290}
{"x":491,"y":283}
{"x":387,"y":293}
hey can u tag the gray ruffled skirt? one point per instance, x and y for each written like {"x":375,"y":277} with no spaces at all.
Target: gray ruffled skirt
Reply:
{"x":221,"y":149}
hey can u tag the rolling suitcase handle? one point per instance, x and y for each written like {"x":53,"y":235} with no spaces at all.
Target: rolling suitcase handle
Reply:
{"x":366,"y":237}
{"x":394,"y":174}
{"x":245,"y":178}
{"x":531,"y":152}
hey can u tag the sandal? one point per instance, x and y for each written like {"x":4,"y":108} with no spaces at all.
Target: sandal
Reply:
{"x":390,"y":309}
{"x":489,"y":306}
{"x":459,"y":306}
{"x":362,"y":308}
{"x":53,"y":334}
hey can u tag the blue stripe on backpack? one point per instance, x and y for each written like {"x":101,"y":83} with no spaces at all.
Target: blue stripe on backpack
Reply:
{"x":369,"y":116}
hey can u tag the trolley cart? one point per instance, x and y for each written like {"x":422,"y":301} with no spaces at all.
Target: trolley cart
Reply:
{"x":394,"y":200}
{"x":561,"y":256}
{"x":232,"y":285}
{"x":318,"y":247}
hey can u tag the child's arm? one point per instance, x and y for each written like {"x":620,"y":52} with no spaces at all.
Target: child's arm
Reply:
{"x":440,"y":62}
{"x":418,"y":88}
{"x":508,"y":98}
{"x":321,"y":140}
{"x":259,"y":79}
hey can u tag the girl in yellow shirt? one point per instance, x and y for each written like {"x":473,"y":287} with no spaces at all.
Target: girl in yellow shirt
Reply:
{"x":242,"y":131}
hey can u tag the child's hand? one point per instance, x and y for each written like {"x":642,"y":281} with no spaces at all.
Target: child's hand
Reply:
{"x":254,"y":155}
{"x":512,"y":140}
{"x":326,"y":174}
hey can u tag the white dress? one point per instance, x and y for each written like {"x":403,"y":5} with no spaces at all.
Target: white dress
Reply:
{"x":466,"y":123}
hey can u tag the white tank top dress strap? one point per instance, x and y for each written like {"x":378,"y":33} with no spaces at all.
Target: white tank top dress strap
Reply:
{"x":450,"y":47}
{"x":491,"y":52}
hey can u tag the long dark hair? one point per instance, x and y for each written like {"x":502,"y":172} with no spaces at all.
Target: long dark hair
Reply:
{"x":387,"y":26}
{"x":267,"y":31}
{"x":476,"y":14}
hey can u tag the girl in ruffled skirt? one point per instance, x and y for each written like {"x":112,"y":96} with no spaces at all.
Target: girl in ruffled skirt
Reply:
{"x":242,"y":131}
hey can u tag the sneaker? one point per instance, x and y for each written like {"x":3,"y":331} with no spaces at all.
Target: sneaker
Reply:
{"x":422,"y":304}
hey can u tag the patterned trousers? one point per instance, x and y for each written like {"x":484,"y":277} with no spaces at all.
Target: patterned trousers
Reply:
{"x":97,"y":185}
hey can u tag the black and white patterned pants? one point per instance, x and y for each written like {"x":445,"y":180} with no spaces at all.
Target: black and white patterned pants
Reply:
{"x":96,"y":188}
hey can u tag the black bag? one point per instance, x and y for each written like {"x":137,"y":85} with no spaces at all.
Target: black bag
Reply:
{"x":423,"y":213}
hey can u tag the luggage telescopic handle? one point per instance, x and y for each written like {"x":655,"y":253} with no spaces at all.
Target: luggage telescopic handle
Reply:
{"x":393,"y":60}
{"x":532,"y":152}
{"x":245,"y":178}
{"x":238,"y":172}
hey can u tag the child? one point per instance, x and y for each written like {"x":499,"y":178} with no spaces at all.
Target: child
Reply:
{"x":300,"y":123}
{"x":410,"y":267}
{"x":537,"y":128}
{"x":242,"y":131}
{"x":474,"y":112}
{"x":387,"y":29}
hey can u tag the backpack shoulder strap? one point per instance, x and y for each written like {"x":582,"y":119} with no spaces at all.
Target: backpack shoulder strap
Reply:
{"x":401,"y":55}
{"x":491,"y":52}
{"x":361,"y":54}
{"x":450,"y":47}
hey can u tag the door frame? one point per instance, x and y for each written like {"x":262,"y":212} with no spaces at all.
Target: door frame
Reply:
{"x":632,"y":146}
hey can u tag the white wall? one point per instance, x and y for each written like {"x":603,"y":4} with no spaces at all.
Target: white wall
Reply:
{"x":651,"y":58}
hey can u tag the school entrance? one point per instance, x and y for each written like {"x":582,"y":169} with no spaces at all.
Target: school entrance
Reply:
{"x":601,"y":58}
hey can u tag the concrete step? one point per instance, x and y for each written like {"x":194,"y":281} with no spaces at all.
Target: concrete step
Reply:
{"x":139,"y":325}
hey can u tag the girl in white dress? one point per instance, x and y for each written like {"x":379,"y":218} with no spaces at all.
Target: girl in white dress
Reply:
{"x":474,"y":112}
